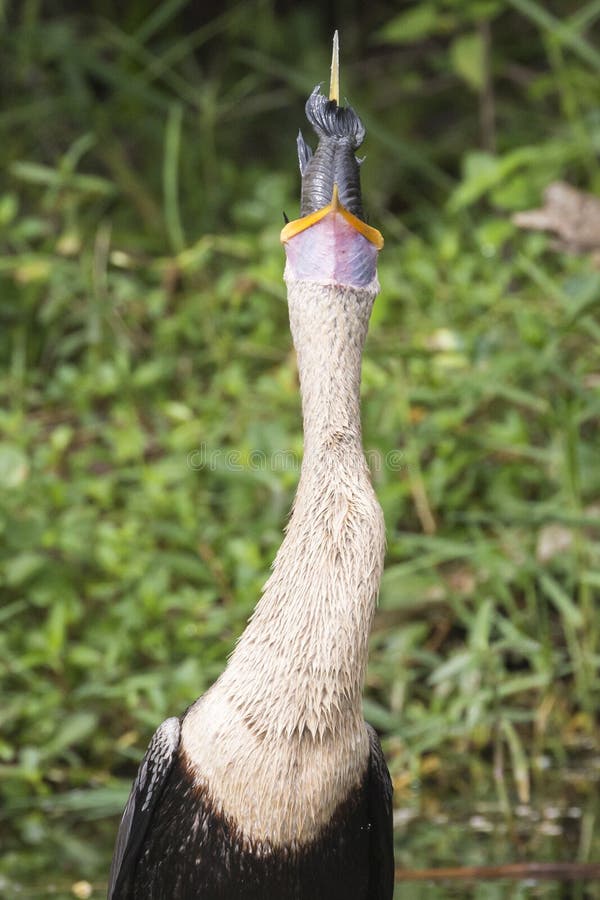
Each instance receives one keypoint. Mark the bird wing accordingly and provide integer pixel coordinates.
(147, 788)
(381, 844)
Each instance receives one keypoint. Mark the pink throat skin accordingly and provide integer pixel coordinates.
(331, 251)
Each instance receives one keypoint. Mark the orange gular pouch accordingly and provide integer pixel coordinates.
(331, 246)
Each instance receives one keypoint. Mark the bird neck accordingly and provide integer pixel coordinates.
(300, 664)
(329, 326)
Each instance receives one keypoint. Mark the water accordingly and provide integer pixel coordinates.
(484, 836)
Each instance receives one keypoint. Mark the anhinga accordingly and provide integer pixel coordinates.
(271, 785)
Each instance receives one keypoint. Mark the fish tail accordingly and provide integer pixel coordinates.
(332, 121)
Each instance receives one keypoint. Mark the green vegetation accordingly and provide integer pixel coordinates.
(148, 153)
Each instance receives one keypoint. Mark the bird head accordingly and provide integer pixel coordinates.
(331, 242)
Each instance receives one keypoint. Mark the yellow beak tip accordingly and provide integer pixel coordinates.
(334, 82)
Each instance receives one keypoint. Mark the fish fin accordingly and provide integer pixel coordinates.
(304, 153)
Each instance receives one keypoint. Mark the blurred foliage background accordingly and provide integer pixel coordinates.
(148, 151)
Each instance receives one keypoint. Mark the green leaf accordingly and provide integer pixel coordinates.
(73, 730)
(518, 758)
(22, 566)
(561, 600)
(468, 60)
(480, 630)
(483, 171)
(456, 665)
(411, 25)
(13, 466)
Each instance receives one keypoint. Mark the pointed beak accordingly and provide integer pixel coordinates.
(334, 80)
(330, 175)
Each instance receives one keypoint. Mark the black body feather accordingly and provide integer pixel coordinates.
(173, 844)
(143, 801)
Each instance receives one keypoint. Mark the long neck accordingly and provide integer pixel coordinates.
(329, 327)
(300, 663)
